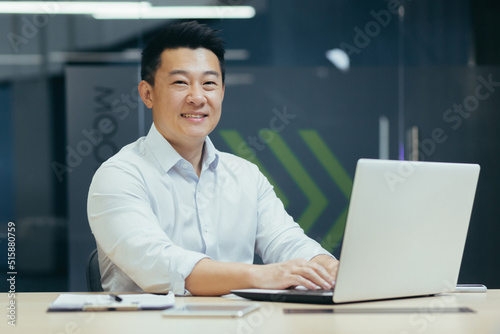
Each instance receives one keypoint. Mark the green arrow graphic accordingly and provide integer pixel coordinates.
(338, 175)
(334, 235)
(328, 161)
(241, 149)
(317, 201)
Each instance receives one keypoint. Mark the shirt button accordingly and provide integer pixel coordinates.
(185, 166)
(205, 229)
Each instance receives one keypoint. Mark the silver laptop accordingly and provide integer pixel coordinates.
(404, 236)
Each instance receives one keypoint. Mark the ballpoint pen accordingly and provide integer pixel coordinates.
(115, 297)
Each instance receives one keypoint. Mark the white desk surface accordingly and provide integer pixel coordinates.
(31, 317)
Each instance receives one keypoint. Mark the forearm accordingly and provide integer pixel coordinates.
(210, 278)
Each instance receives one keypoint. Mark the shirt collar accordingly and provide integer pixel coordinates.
(211, 155)
(168, 157)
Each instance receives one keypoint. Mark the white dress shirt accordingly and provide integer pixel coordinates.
(153, 218)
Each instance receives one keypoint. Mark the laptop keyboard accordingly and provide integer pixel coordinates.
(309, 292)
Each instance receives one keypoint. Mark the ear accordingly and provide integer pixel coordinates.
(146, 93)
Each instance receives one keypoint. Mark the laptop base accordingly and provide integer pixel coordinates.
(287, 296)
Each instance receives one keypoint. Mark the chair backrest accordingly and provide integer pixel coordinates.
(93, 273)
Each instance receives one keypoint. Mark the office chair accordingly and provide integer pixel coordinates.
(93, 273)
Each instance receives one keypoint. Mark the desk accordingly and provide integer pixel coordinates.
(32, 318)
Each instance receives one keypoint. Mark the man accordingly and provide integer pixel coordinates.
(171, 213)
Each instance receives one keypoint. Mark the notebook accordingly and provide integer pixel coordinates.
(405, 233)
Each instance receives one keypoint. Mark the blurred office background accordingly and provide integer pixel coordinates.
(312, 86)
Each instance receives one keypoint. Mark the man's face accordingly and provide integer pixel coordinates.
(187, 96)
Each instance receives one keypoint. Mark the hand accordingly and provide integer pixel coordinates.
(292, 273)
(330, 264)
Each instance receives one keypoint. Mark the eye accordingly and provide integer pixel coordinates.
(179, 82)
(210, 83)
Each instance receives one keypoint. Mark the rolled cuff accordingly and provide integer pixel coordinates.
(184, 263)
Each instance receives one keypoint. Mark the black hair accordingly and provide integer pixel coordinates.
(190, 35)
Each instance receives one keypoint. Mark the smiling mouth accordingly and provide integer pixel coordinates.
(193, 116)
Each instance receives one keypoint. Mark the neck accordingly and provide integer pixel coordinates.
(193, 154)
(191, 150)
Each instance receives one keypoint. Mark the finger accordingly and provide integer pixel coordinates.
(336, 270)
(302, 281)
(333, 268)
(312, 276)
(325, 273)
(300, 272)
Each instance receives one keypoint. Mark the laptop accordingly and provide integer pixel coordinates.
(404, 236)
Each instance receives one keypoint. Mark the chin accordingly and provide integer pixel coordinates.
(197, 135)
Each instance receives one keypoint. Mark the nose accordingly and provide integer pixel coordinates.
(196, 96)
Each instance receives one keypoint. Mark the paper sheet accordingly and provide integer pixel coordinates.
(78, 302)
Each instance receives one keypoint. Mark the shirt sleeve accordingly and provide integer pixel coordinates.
(279, 237)
(128, 232)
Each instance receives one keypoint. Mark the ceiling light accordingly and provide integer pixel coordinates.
(71, 7)
(182, 12)
(126, 10)
(338, 58)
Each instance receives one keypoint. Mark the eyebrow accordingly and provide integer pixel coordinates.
(210, 72)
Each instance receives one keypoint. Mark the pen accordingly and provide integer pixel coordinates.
(115, 297)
